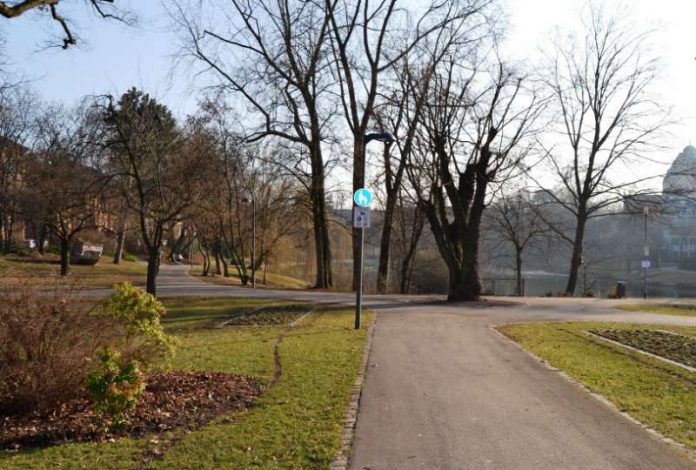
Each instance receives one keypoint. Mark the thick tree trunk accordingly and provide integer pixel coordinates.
(576, 258)
(64, 256)
(120, 242)
(324, 277)
(153, 261)
(464, 283)
(358, 183)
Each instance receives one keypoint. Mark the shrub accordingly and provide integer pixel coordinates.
(47, 342)
(142, 337)
(115, 387)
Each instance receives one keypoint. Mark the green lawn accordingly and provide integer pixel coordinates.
(296, 424)
(15, 270)
(280, 281)
(684, 310)
(657, 394)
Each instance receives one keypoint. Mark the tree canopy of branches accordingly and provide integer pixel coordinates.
(472, 133)
(103, 8)
(158, 176)
(515, 220)
(600, 86)
(272, 55)
(64, 191)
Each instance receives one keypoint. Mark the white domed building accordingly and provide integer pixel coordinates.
(679, 210)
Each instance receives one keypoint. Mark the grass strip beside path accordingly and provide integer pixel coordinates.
(659, 395)
(296, 424)
(683, 310)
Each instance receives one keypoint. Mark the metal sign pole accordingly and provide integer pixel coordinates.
(358, 287)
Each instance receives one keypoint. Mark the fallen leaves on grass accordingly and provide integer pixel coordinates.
(170, 401)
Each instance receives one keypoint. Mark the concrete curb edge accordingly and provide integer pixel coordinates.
(342, 460)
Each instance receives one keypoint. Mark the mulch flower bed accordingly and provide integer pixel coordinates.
(678, 348)
(170, 401)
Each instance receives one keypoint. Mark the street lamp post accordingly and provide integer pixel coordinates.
(253, 238)
(387, 138)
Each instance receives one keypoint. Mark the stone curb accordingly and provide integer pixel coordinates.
(342, 460)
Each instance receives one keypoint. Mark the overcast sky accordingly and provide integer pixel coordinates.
(113, 57)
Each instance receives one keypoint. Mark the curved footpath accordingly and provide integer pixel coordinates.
(444, 391)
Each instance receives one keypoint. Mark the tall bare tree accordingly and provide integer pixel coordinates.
(472, 138)
(368, 39)
(159, 176)
(600, 85)
(272, 56)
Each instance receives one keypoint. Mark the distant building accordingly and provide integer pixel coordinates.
(679, 210)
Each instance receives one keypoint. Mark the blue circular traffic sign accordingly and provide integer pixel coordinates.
(363, 197)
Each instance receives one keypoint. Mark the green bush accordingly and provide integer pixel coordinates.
(114, 388)
(143, 338)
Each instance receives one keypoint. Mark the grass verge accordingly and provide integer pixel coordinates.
(16, 270)
(279, 281)
(659, 395)
(296, 424)
(683, 310)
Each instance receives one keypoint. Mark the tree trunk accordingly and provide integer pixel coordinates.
(43, 234)
(324, 278)
(358, 183)
(518, 271)
(153, 261)
(576, 258)
(464, 283)
(64, 256)
(218, 264)
(120, 242)
(385, 245)
(408, 261)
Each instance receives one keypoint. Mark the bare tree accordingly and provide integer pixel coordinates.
(472, 135)
(272, 56)
(102, 8)
(514, 219)
(400, 106)
(600, 86)
(368, 39)
(158, 174)
(64, 191)
(17, 114)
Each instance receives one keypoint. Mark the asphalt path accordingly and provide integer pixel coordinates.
(445, 391)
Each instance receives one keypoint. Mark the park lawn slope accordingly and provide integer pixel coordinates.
(44, 273)
(683, 310)
(657, 394)
(279, 281)
(296, 424)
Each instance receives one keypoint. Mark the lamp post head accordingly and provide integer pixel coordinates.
(385, 137)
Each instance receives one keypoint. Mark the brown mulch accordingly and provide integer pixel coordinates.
(170, 401)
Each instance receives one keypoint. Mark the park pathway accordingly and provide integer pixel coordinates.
(444, 391)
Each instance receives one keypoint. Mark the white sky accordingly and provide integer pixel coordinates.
(116, 57)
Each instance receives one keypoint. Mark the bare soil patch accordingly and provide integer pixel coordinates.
(171, 401)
